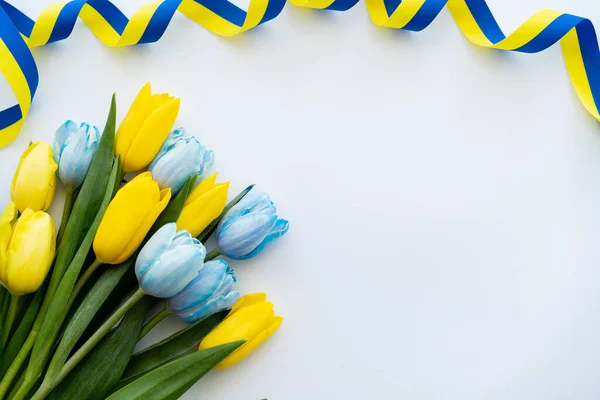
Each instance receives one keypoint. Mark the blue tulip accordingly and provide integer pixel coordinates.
(168, 262)
(74, 149)
(209, 292)
(178, 158)
(249, 227)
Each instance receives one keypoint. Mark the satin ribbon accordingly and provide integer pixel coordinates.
(19, 33)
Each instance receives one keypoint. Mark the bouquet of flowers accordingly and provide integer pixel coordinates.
(74, 304)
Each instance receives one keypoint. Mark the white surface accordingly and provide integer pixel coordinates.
(443, 199)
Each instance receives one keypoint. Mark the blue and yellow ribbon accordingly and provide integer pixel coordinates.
(19, 33)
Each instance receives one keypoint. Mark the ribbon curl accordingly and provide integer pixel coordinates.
(19, 33)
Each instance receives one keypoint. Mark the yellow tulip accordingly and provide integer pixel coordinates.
(251, 318)
(203, 205)
(128, 218)
(145, 128)
(27, 249)
(34, 181)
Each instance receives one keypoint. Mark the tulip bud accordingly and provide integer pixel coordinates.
(204, 204)
(27, 249)
(251, 318)
(168, 262)
(179, 157)
(74, 149)
(34, 181)
(145, 128)
(208, 293)
(249, 227)
(128, 218)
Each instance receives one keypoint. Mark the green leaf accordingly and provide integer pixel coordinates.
(20, 335)
(210, 229)
(173, 379)
(87, 204)
(109, 296)
(176, 345)
(59, 309)
(103, 366)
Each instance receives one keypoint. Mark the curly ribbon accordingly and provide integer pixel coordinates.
(19, 33)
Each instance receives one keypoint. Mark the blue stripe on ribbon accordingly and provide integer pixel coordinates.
(344, 5)
(391, 6)
(426, 14)
(16, 45)
(66, 21)
(486, 21)
(111, 13)
(588, 43)
(273, 9)
(226, 10)
(23, 23)
(551, 34)
(159, 21)
(10, 116)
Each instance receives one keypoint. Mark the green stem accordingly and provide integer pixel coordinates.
(83, 279)
(66, 212)
(47, 387)
(15, 366)
(214, 253)
(10, 317)
(164, 313)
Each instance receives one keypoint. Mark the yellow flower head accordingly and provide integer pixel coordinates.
(251, 318)
(34, 182)
(145, 128)
(128, 218)
(204, 204)
(27, 249)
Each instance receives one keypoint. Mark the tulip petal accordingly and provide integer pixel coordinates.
(246, 323)
(183, 158)
(196, 216)
(248, 300)
(279, 229)
(175, 269)
(208, 160)
(7, 219)
(60, 138)
(240, 237)
(128, 218)
(34, 180)
(203, 187)
(154, 248)
(146, 224)
(167, 145)
(151, 135)
(214, 305)
(202, 287)
(30, 252)
(245, 206)
(77, 154)
(252, 344)
(129, 128)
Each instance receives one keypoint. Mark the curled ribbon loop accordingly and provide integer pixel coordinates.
(19, 33)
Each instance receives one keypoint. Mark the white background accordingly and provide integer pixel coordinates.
(444, 200)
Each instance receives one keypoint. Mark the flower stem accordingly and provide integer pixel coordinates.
(66, 212)
(46, 388)
(164, 313)
(83, 279)
(15, 366)
(10, 317)
(214, 253)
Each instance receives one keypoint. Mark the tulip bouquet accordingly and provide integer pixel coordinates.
(74, 303)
